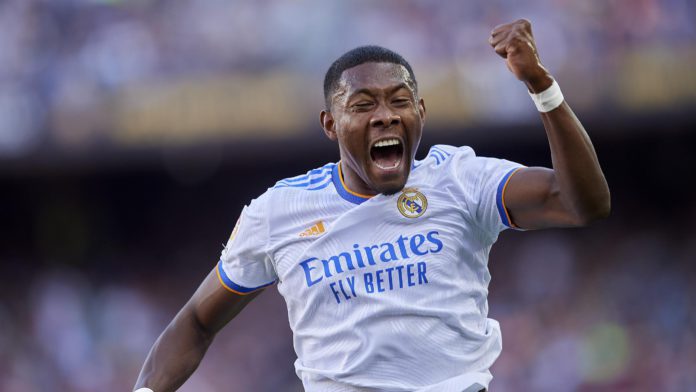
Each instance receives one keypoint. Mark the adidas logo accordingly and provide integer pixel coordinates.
(316, 229)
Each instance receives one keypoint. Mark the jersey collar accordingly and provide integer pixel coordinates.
(342, 189)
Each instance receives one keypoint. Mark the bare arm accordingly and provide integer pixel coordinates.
(575, 191)
(182, 345)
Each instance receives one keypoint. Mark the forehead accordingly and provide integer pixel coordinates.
(374, 76)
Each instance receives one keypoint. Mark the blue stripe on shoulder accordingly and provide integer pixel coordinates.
(442, 150)
(439, 154)
(306, 183)
(303, 177)
(437, 157)
(312, 180)
(321, 185)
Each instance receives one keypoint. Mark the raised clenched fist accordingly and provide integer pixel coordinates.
(515, 43)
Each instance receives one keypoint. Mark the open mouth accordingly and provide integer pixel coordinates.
(387, 153)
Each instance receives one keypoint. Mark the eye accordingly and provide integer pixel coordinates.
(401, 102)
(362, 106)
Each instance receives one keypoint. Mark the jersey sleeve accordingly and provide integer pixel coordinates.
(482, 182)
(246, 265)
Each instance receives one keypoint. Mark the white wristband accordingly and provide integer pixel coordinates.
(549, 99)
(143, 390)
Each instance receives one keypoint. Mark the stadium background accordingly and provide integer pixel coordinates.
(133, 131)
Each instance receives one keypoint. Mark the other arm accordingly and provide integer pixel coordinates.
(182, 345)
(574, 192)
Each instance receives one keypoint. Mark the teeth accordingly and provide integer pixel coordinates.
(394, 166)
(388, 142)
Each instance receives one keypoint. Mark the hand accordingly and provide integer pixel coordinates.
(515, 43)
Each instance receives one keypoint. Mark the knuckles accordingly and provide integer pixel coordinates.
(516, 34)
(520, 26)
(524, 23)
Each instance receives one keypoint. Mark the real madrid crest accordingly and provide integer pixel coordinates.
(412, 203)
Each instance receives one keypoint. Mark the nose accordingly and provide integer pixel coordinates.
(384, 118)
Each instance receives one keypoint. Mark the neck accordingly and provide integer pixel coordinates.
(352, 182)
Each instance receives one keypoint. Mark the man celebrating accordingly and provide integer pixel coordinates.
(382, 259)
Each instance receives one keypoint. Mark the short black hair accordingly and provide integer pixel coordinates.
(357, 56)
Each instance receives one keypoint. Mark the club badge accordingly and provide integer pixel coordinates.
(412, 203)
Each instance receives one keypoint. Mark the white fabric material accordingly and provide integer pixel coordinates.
(143, 390)
(549, 99)
(379, 301)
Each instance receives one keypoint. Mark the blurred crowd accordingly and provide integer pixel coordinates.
(94, 262)
(67, 58)
(597, 311)
(581, 310)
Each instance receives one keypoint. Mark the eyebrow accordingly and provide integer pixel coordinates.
(368, 91)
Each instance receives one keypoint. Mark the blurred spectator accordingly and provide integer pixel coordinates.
(72, 59)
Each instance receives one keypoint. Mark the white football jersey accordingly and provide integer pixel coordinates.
(384, 293)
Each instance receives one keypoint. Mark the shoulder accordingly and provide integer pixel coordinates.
(445, 164)
(441, 156)
(290, 196)
(312, 180)
(293, 190)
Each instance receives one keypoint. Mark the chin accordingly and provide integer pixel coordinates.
(389, 182)
(391, 187)
(391, 191)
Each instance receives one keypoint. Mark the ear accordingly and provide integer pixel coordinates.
(421, 109)
(327, 123)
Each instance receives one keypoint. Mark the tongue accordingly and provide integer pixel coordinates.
(386, 156)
